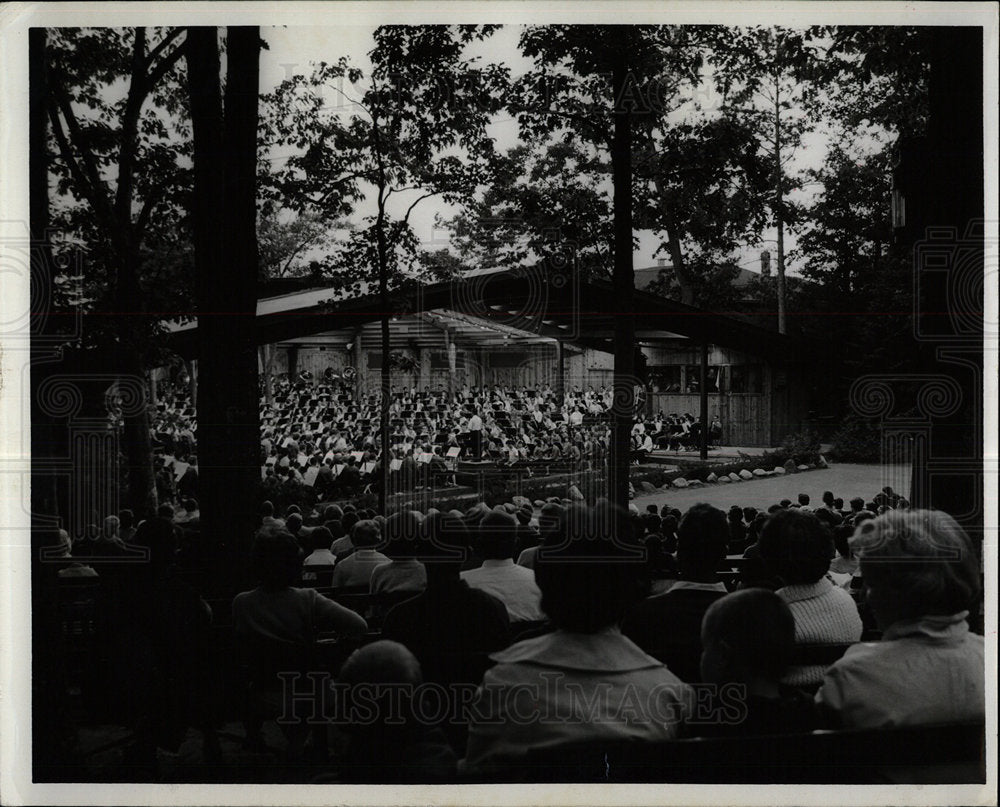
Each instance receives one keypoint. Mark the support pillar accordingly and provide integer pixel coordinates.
(424, 363)
(192, 368)
(359, 356)
(560, 373)
(450, 347)
(703, 395)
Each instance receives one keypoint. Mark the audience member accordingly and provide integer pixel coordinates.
(588, 583)
(355, 571)
(389, 744)
(922, 579)
(748, 639)
(668, 625)
(403, 572)
(797, 549)
(513, 585)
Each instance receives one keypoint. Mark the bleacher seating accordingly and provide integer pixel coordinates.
(952, 753)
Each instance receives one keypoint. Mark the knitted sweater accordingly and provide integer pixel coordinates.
(824, 614)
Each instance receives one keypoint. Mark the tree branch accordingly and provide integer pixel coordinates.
(165, 65)
(92, 187)
(170, 37)
(409, 210)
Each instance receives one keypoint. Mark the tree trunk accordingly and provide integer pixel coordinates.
(623, 279)
(386, 371)
(225, 154)
(779, 208)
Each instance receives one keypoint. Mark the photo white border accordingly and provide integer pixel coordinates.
(15, 612)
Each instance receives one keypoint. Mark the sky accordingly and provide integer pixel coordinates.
(292, 50)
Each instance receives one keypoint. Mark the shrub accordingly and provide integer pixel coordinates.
(857, 440)
(799, 447)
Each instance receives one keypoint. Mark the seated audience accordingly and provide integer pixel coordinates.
(317, 567)
(403, 572)
(748, 638)
(449, 627)
(922, 579)
(574, 682)
(513, 585)
(797, 548)
(275, 610)
(355, 571)
(668, 625)
(391, 746)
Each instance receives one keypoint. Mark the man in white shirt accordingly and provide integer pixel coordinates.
(476, 430)
(513, 585)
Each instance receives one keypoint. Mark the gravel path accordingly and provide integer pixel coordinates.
(845, 480)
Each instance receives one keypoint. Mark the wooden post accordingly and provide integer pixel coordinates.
(450, 347)
(192, 368)
(623, 277)
(560, 373)
(703, 390)
(358, 369)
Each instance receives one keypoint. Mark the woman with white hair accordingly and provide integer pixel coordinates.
(921, 578)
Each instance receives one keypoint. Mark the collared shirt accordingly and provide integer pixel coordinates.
(565, 687)
(320, 557)
(928, 670)
(680, 585)
(513, 585)
(399, 575)
(355, 571)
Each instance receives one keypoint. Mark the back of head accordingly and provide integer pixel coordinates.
(294, 523)
(319, 538)
(549, 516)
(917, 563)
(267, 510)
(702, 541)
(796, 546)
(381, 662)
(157, 535)
(275, 559)
(587, 571)
(497, 536)
(747, 635)
(804, 499)
(446, 545)
(126, 518)
(749, 514)
(333, 512)
(402, 534)
(365, 534)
